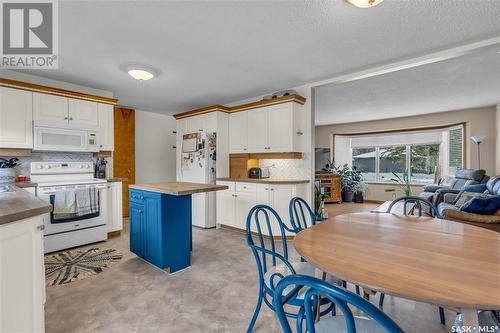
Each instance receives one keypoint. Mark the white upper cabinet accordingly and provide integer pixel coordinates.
(82, 113)
(268, 129)
(210, 122)
(238, 127)
(194, 124)
(258, 130)
(16, 127)
(50, 109)
(106, 127)
(280, 127)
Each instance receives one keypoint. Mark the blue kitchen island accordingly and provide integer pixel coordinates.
(160, 222)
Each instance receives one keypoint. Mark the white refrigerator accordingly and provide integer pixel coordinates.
(197, 165)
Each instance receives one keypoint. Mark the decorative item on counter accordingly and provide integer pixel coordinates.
(22, 178)
(7, 174)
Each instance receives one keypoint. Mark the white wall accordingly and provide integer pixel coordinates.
(154, 152)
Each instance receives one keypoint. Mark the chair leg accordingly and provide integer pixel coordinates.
(357, 290)
(300, 319)
(441, 316)
(381, 299)
(256, 313)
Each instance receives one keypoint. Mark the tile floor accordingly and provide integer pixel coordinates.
(217, 294)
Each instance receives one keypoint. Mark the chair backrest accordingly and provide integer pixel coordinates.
(419, 202)
(339, 296)
(301, 215)
(467, 177)
(266, 250)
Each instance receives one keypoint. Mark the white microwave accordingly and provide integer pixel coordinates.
(61, 139)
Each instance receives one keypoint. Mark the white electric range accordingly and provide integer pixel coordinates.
(67, 232)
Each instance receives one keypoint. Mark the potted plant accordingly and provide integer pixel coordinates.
(359, 191)
(403, 182)
(7, 174)
(349, 178)
(319, 204)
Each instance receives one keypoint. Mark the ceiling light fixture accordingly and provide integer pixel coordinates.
(364, 3)
(141, 73)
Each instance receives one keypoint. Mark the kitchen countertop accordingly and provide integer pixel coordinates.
(116, 179)
(178, 188)
(265, 180)
(25, 184)
(19, 204)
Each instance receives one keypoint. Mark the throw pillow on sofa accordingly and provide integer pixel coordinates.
(479, 188)
(482, 205)
(466, 196)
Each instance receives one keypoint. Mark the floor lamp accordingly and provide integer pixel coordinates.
(478, 139)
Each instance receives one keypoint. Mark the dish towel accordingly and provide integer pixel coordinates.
(87, 201)
(65, 202)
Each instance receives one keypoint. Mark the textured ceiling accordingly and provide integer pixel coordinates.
(221, 51)
(465, 82)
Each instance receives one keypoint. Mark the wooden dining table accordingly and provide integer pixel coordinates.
(449, 264)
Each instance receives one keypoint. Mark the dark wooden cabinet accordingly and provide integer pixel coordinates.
(330, 186)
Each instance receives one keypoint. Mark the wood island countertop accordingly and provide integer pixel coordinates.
(20, 204)
(178, 188)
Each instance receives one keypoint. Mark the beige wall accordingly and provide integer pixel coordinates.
(478, 121)
(498, 140)
(484, 120)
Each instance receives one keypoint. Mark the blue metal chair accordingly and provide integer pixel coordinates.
(314, 289)
(433, 212)
(301, 215)
(272, 259)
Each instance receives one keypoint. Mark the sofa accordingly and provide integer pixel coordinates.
(450, 210)
(463, 177)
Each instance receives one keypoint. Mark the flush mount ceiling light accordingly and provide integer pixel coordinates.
(141, 73)
(364, 3)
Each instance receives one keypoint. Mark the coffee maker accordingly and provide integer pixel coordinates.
(100, 168)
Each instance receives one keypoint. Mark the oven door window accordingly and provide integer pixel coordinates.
(64, 218)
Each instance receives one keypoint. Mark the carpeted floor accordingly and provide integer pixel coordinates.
(217, 294)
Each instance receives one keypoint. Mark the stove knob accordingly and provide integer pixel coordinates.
(87, 166)
(39, 167)
(80, 166)
(47, 167)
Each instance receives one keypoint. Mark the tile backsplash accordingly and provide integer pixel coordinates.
(24, 167)
(287, 168)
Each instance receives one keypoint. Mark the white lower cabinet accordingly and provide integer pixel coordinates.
(234, 203)
(22, 276)
(114, 213)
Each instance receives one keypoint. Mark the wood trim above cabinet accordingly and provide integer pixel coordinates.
(242, 107)
(55, 91)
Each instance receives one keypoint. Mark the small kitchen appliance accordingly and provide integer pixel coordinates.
(258, 173)
(100, 168)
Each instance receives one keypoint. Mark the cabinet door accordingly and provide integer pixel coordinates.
(244, 202)
(16, 115)
(82, 113)
(258, 130)
(115, 214)
(280, 196)
(194, 124)
(225, 208)
(181, 127)
(106, 127)
(238, 128)
(210, 122)
(50, 109)
(136, 225)
(280, 128)
(152, 233)
(22, 276)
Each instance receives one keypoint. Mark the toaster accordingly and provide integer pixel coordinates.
(258, 173)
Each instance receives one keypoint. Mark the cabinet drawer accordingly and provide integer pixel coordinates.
(231, 185)
(136, 196)
(246, 187)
